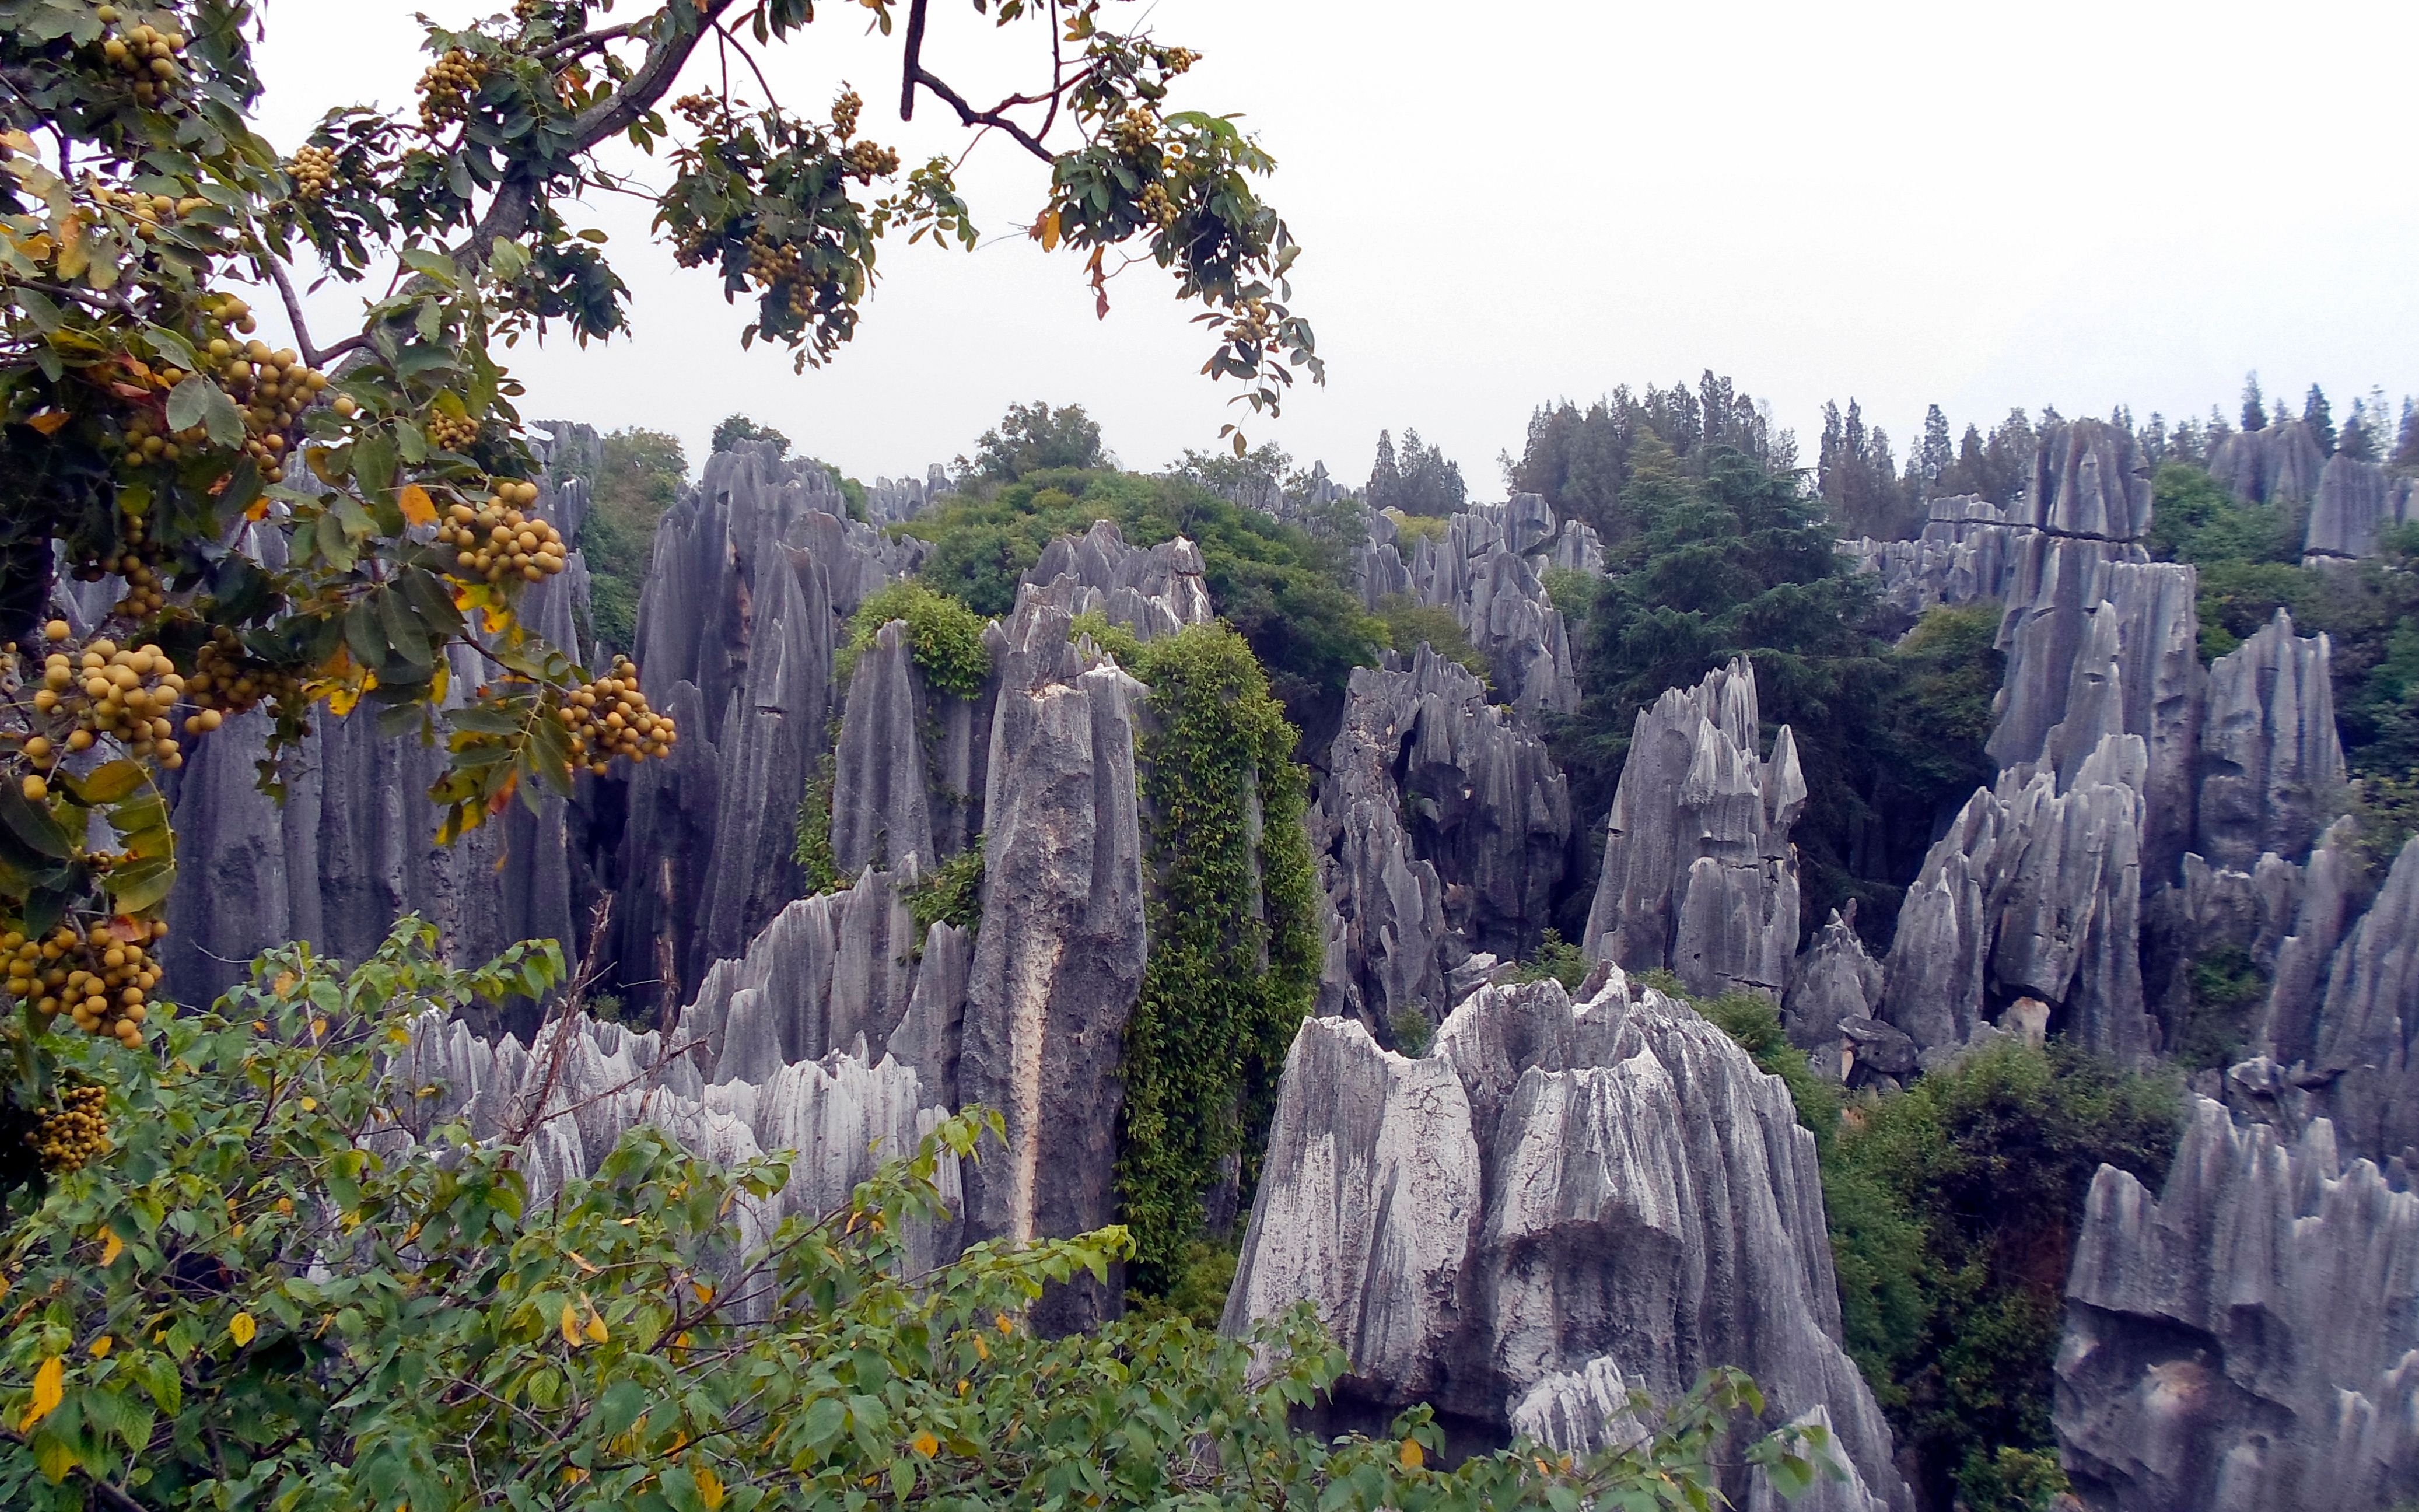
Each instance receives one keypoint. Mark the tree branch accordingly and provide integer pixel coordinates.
(312, 356)
(912, 73)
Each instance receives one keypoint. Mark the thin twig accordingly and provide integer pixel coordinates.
(312, 356)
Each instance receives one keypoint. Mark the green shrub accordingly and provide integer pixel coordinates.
(1203, 1272)
(1574, 593)
(1556, 959)
(950, 893)
(1411, 1032)
(1409, 622)
(2224, 989)
(814, 854)
(1115, 640)
(1954, 1207)
(944, 635)
(1410, 530)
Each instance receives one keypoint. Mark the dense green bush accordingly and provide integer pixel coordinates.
(1556, 960)
(950, 893)
(944, 635)
(817, 860)
(1282, 588)
(1409, 623)
(2222, 991)
(1953, 1208)
(263, 1300)
(1234, 938)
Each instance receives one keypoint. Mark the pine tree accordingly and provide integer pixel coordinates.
(2255, 412)
(2153, 438)
(1938, 454)
(2320, 419)
(1385, 479)
(2406, 444)
(2359, 438)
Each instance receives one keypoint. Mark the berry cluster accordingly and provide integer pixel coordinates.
(609, 717)
(1156, 203)
(149, 211)
(124, 693)
(845, 111)
(97, 977)
(497, 538)
(228, 680)
(868, 161)
(446, 87)
(73, 1133)
(450, 432)
(274, 387)
(312, 170)
(135, 559)
(1136, 131)
(146, 55)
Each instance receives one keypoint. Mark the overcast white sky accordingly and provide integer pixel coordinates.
(1978, 205)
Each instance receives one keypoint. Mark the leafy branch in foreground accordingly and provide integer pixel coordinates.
(277, 1296)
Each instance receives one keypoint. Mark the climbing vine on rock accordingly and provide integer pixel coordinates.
(1234, 936)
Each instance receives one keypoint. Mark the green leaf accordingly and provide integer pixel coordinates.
(32, 822)
(136, 887)
(373, 462)
(510, 261)
(108, 782)
(171, 346)
(197, 401)
(619, 1408)
(435, 265)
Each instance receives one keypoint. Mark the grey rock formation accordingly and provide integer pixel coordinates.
(573, 1093)
(1058, 958)
(1698, 875)
(2332, 890)
(2034, 891)
(1152, 591)
(1443, 828)
(2356, 500)
(2097, 645)
(1962, 555)
(2363, 1069)
(1834, 983)
(753, 570)
(882, 800)
(1613, 1192)
(2271, 761)
(2280, 464)
(2248, 1341)
(1485, 568)
(2088, 480)
(891, 501)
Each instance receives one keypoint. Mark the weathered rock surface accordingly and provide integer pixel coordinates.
(1152, 591)
(2034, 891)
(1485, 568)
(2363, 1069)
(1614, 1193)
(2280, 464)
(2356, 500)
(753, 571)
(1832, 984)
(582, 1084)
(2271, 760)
(1058, 958)
(2248, 1341)
(1962, 555)
(1698, 876)
(882, 798)
(1443, 828)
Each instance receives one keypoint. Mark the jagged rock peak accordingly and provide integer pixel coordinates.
(2271, 761)
(572, 1093)
(1699, 874)
(1486, 568)
(2356, 500)
(2248, 1341)
(2034, 891)
(1607, 1193)
(1152, 591)
(2280, 464)
(2088, 480)
(1443, 829)
(1833, 984)
(1059, 957)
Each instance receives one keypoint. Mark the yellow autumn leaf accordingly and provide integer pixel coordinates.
(1005, 1326)
(580, 1260)
(111, 1248)
(596, 1329)
(241, 1328)
(709, 1488)
(50, 1389)
(417, 507)
(49, 424)
(982, 1350)
(102, 1346)
(570, 1326)
(1413, 1456)
(704, 1293)
(1050, 231)
(924, 1444)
